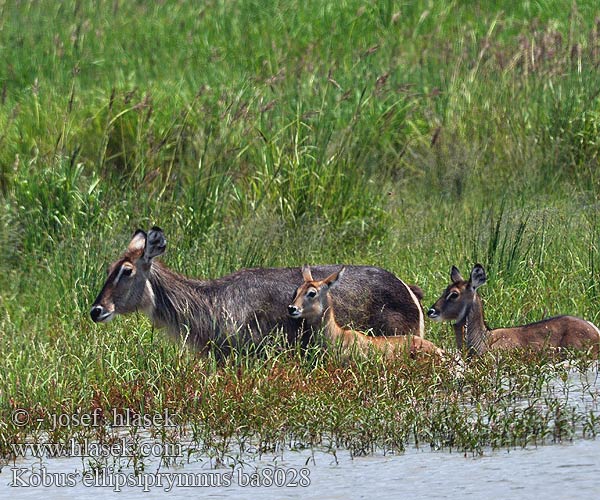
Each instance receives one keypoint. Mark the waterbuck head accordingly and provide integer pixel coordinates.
(459, 295)
(310, 299)
(127, 288)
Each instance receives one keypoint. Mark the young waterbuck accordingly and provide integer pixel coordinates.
(461, 303)
(313, 302)
(246, 306)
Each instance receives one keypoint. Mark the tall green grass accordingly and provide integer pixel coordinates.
(413, 136)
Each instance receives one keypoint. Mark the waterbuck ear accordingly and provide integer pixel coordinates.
(478, 276)
(333, 279)
(156, 243)
(137, 243)
(306, 274)
(455, 275)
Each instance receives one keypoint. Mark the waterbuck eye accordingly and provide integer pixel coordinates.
(311, 294)
(127, 271)
(452, 295)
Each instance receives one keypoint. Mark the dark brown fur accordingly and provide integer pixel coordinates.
(313, 303)
(248, 305)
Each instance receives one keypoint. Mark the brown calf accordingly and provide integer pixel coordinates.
(461, 303)
(313, 303)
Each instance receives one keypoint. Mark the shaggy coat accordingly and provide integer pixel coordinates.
(248, 305)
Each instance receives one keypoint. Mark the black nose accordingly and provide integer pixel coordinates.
(292, 309)
(95, 313)
(432, 312)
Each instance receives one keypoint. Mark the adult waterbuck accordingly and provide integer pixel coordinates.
(246, 306)
(313, 303)
(461, 303)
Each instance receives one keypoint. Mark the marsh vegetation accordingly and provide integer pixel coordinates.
(411, 136)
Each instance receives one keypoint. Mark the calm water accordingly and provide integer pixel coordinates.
(548, 472)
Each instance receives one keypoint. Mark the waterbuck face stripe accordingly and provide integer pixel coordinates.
(124, 270)
(119, 274)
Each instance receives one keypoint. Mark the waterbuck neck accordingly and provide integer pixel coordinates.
(331, 327)
(177, 300)
(472, 328)
(326, 322)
